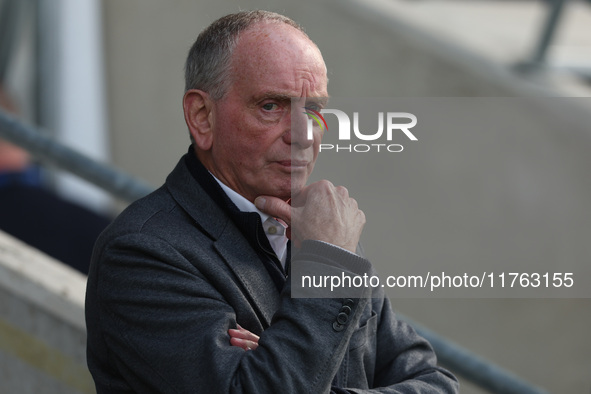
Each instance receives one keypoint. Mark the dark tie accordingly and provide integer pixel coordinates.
(288, 258)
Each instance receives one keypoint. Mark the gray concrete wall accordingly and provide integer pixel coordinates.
(371, 53)
(42, 331)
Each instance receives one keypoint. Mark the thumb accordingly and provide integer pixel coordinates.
(275, 207)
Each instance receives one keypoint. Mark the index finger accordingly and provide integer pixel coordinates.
(275, 207)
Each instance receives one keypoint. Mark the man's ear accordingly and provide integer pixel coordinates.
(197, 106)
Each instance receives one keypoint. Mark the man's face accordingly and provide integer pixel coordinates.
(255, 151)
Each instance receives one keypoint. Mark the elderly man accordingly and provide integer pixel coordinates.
(189, 278)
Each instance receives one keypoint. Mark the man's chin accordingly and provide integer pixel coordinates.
(281, 193)
(298, 181)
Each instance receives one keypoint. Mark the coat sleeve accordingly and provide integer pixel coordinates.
(405, 362)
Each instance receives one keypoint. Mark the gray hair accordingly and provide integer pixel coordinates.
(209, 60)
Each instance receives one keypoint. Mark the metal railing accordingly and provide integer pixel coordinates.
(538, 60)
(473, 368)
(50, 152)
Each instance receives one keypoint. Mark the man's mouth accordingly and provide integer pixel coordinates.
(294, 164)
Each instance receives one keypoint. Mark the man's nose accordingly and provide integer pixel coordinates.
(300, 131)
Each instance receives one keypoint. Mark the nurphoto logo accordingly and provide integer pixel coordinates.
(397, 123)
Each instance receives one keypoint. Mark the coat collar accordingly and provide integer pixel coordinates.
(229, 242)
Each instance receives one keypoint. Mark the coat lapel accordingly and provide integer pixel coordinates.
(231, 245)
(250, 271)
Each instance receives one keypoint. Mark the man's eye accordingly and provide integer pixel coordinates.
(314, 107)
(270, 107)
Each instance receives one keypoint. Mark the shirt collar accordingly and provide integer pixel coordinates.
(245, 205)
(241, 202)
